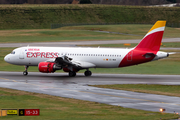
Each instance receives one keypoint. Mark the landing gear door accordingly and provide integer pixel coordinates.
(21, 54)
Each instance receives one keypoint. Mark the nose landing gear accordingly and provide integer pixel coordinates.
(25, 72)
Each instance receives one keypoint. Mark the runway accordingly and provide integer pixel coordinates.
(59, 84)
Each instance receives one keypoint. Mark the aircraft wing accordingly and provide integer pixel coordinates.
(66, 61)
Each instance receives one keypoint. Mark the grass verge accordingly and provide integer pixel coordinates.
(53, 108)
(170, 90)
(81, 33)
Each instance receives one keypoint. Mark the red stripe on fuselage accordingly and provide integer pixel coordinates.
(135, 57)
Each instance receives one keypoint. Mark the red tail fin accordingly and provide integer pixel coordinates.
(147, 49)
(152, 40)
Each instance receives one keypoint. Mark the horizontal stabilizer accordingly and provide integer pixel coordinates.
(172, 53)
(149, 55)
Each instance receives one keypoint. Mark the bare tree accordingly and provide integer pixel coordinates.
(38, 1)
(3, 2)
(117, 2)
(30, 1)
(178, 3)
(129, 2)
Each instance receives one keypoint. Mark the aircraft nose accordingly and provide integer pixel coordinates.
(6, 58)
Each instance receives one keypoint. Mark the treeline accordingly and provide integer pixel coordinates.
(36, 1)
(135, 2)
(118, 2)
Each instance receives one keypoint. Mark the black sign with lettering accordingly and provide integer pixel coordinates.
(21, 112)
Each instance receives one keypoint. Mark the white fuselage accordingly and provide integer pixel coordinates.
(100, 57)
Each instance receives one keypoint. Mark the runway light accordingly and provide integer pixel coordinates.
(162, 110)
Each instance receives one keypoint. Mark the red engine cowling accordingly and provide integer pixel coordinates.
(46, 67)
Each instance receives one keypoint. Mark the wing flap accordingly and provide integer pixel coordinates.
(84, 64)
(65, 61)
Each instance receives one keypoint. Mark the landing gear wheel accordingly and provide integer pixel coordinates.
(72, 74)
(25, 73)
(87, 73)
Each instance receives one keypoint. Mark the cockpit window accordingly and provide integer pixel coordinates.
(13, 52)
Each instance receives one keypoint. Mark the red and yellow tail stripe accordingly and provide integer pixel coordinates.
(152, 40)
(158, 26)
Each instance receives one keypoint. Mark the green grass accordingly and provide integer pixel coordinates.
(54, 108)
(170, 90)
(170, 65)
(134, 29)
(58, 36)
(28, 16)
(81, 33)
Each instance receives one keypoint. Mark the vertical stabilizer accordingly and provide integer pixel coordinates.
(152, 40)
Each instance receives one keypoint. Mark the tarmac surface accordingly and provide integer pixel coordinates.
(59, 84)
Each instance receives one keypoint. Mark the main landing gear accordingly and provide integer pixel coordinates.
(25, 72)
(87, 73)
(72, 74)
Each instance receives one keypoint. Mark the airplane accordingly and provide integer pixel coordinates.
(73, 59)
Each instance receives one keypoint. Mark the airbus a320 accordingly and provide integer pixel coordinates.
(73, 59)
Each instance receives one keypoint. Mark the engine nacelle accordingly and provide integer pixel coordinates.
(47, 67)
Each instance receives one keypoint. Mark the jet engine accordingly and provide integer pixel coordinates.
(48, 67)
